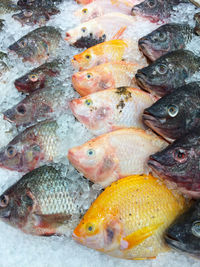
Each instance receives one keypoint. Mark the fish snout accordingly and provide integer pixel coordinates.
(8, 115)
(68, 36)
(135, 11)
(142, 43)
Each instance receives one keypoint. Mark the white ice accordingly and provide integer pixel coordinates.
(16, 248)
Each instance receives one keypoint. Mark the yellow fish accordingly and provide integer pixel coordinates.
(129, 218)
(114, 50)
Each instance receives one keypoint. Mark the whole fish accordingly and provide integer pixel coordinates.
(101, 7)
(38, 45)
(184, 233)
(37, 3)
(179, 163)
(35, 16)
(176, 113)
(111, 109)
(40, 77)
(8, 6)
(46, 201)
(167, 38)
(129, 218)
(47, 103)
(99, 30)
(114, 50)
(156, 10)
(3, 66)
(32, 148)
(105, 76)
(115, 155)
(197, 27)
(168, 72)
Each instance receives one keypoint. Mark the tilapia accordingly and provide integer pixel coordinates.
(167, 38)
(3, 66)
(99, 30)
(105, 76)
(179, 163)
(38, 3)
(110, 51)
(115, 155)
(32, 148)
(184, 233)
(129, 218)
(111, 109)
(8, 6)
(168, 72)
(40, 77)
(46, 201)
(38, 45)
(176, 113)
(157, 10)
(47, 103)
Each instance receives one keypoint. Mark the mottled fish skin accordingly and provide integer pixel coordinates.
(197, 27)
(156, 10)
(46, 201)
(38, 3)
(179, 163)
(40, 77)
(38, 45)
(177, 113)
(184, 232)
(32, 148)
(167, 38)
(7, 6)
(168, 72)
(3, 66)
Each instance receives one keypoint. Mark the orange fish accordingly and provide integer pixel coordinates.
(114, 50)
(115, 155)
(105, 76)
(129, 218)
(84, 2)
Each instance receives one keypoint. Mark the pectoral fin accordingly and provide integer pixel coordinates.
(119, 33)
(138, 237)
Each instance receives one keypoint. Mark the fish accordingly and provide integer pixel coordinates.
(179, 163)
(115, 155)
(27, 4)
(166, 38)
(31, 148)
(8, 6)
(157, 10)
(197, 27)
(168, 72)
(40, 77)
(84, 2)
(177, 113)
(109, 51)
(38, 45)
(183, 234)
(35, 16)
(3, 66)
(44, 202)
(102, 7)
(129, 218)
(48, 103)
(99, 30)
(105, 76)
(112, 109)
(195, 2)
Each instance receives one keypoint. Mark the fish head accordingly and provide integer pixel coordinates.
(26, 3)
(86, 35)
(93, 111)
(24, 17)
(89, 12)
(98, 231)
(92, 80)
(31, 17)
(86, 60)
(152, 9)
(15, 206)
(184, 233)
(179, 162)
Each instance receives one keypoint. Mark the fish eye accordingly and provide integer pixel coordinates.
(180, 155)
(196, 228)
(90, 228)
(88, 102)
(151, 3)
(11, 152)
(84, 29)
(87, 56)
(28, 13)
(89, 76)
(4, 201)
(84, 11)
(161, 69)
(162, 36)
(33, 77)
(21, 109)
(173, 111)
(90, 152)
(22, 44)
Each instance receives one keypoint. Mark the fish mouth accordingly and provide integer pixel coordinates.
(21, 87)
(5, 214)
(155, 165)
(141, 80)
(6, 118)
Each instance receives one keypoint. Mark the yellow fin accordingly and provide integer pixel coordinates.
(138, 237)
(119, 33)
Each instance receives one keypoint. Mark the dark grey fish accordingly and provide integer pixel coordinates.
(38, 3)
(175, 114)
(7, 6)
(179, 163)
(167, 38)
(168, 72)
(184, 233)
